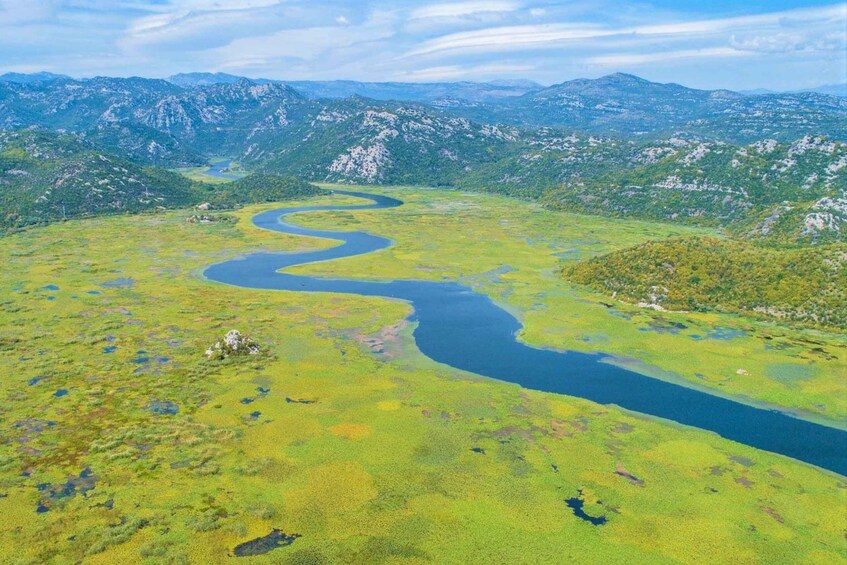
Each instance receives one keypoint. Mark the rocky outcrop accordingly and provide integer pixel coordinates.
(232, 344)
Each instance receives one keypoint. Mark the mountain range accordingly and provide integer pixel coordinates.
(764, 165)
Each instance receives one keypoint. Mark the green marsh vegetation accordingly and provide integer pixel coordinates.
(802, 285)
(341, 432)
(515, 252)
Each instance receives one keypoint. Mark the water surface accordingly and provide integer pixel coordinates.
(466, 330)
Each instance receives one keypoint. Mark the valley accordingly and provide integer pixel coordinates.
(597, 321)
(338, 431)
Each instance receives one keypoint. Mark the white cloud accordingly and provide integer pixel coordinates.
(789, 42)
(629, 59)
(545, 40)
(459, 9)
(453, 72)
(185, 10)
(557, 34)
(199, 31)
(318, 46)
(511, 37)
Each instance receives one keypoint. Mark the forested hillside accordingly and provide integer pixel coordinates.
(47, 176)
(805, 285)
(258, 188)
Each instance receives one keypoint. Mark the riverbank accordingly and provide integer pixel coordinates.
(361, 445)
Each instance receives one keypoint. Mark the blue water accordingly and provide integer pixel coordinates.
(220, 170)
(466, 330)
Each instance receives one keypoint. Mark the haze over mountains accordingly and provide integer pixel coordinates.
(408, 91)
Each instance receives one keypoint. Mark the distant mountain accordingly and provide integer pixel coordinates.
(194, 80)
(222, 115)
(831, 89)
(28, 78)
(626, 106)
(396, 91)
(764, 165)
(416, 92)
(152, 120)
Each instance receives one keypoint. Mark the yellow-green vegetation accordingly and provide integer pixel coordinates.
(256, 188)
(514, 252)
(123, 442)
(806, 285)
(200, 173)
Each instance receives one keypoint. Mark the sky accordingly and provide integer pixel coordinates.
(737, 44)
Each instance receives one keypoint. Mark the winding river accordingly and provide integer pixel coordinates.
(466, 330)
(221, 170)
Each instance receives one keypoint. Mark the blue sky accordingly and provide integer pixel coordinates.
(778, 44)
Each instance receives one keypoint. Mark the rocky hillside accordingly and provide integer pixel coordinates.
(748, 162)
(793, 191)
(225, 114)
(368, 142)
(626, 106)
(47, 176)
(157, 121)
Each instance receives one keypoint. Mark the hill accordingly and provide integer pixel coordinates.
(122, 113)
(29, 78)
(768, 166)
(257, 188)
(788, 191)
(216, 112)
(46, 176)
(362, 140)
(806, 286)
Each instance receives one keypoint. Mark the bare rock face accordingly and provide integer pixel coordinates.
(233, 343)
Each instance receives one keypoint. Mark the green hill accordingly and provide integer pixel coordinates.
(805, 285)
(47, 176)
(256, 188)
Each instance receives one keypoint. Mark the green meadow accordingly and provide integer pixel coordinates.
(123, 443)
(201, 173)
(514, 252)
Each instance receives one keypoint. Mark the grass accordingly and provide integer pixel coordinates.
(199, 173)
(514, 251)
(398, 459)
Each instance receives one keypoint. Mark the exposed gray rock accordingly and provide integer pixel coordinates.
(233, 343)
